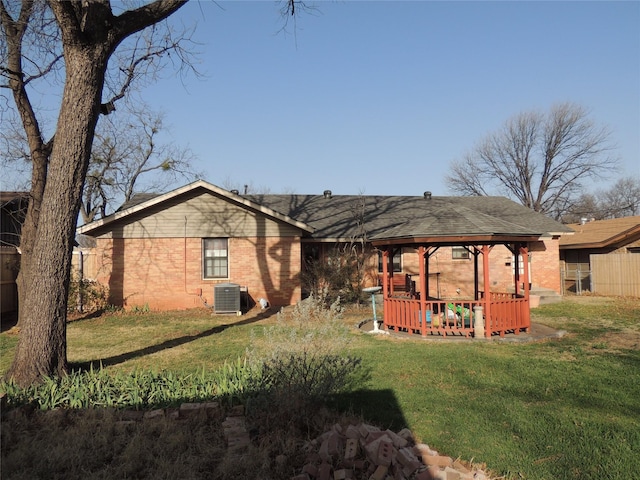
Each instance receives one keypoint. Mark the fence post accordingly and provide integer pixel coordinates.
(80, 307)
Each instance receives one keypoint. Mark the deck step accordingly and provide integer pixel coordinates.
(546, 295)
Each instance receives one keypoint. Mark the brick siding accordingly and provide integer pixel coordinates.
(166, 273)
(447, 275)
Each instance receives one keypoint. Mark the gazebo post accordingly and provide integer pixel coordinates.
(424, 258)
(524, 251)
(389, 265)
(385, 286)
(476, 274)
(487, 292)
(424, 287)
(516, 269)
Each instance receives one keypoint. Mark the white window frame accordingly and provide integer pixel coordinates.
(210, 252)
(460, 253)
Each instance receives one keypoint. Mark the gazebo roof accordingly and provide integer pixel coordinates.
(454, 221)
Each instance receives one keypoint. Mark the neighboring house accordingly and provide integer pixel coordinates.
(13, 206)
(170, 251)
(610, 238)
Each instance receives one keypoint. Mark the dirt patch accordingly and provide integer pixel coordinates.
(624, 340)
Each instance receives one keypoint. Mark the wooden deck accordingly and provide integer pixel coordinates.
(503, 313)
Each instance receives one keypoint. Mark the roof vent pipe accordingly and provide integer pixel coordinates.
(327, 194)
(235, 191)
(427, 195)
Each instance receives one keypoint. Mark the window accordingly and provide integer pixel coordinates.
(458, 253)
(215, 255)
(521, 265)
(397, 261)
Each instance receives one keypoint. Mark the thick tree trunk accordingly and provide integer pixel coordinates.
(29, 227)
(42, 347)
(89, 33)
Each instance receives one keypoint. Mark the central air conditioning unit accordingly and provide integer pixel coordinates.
(226, 298)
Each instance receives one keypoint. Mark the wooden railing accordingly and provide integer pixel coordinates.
(507, 313)
(439, 317)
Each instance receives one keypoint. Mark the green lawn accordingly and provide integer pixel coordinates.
(567, 408)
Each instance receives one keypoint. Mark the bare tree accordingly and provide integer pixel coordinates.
(82, 37)
(586, 206)
(539, 160)
(72, 41)
(128, 158)
(622, 199)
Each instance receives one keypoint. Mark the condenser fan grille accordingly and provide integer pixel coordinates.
(226, 297)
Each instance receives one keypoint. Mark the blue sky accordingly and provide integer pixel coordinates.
(379, 97)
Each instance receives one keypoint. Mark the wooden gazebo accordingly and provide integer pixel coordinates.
(488, 313)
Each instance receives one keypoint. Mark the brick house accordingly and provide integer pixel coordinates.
(169, 251)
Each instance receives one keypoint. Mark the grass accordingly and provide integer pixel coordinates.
(559, 409)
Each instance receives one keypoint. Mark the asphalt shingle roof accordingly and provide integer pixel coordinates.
(343, 217)
(601, 232)
(410, 216)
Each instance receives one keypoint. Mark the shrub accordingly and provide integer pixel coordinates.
(100, 388)
(309, 327)
(298, 364)
(235, 380)
(93, 296)
(300, 379)
(339, 275)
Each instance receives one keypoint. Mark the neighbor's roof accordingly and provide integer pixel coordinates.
(603, 233)
(8, 197)
(344, 217)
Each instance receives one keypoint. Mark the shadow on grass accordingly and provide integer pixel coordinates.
(8, 320)
(73, 317)
(379, 407)
(97, 442)
(174, 342)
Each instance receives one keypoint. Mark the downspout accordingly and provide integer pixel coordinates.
(198, 291)
(184, 255)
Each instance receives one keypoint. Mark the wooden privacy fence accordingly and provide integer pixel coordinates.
(616, 274)
(9, 266)
(85, 258)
